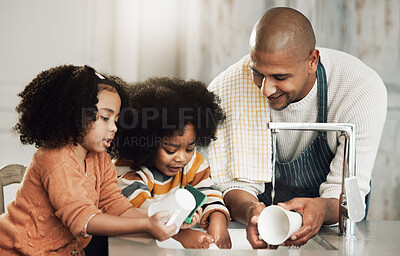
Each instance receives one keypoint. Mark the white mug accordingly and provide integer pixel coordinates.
(179, 205)
(276, 225)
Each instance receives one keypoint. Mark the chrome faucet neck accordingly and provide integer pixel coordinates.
(348, 216)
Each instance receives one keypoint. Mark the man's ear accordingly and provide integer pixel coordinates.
(313, 61)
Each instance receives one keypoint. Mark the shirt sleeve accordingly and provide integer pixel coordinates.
(135, 187)
(214, 202)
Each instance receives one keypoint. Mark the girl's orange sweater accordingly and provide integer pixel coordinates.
(55, 201)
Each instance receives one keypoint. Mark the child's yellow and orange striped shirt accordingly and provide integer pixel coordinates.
(148, 185)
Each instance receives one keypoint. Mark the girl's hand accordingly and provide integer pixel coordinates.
(190, 238)
(195, 219)
(157, 227)
(219, 230)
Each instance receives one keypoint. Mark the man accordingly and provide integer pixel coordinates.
(302, 84)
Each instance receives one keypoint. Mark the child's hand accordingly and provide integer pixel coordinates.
(195, 219)
(190, 238)
(157, 227)
(219, 230)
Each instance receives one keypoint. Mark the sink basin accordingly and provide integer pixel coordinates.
(238, 238)
(239, 241)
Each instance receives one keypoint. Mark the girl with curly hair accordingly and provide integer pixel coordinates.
(70, 189)
(169, 117)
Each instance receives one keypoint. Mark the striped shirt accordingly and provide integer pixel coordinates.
(149, 185)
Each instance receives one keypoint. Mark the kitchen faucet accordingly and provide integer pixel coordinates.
(351, 205)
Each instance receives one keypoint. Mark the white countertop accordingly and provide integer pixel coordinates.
(373, 238)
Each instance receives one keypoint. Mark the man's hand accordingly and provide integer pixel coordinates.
(245, 208)
(315, 211)
(251, 227)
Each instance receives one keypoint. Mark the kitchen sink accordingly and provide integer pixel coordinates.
(239, 242)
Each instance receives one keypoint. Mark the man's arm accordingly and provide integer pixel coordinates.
(240, 204)
(245, 208)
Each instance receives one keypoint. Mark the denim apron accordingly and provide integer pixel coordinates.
(303, 176)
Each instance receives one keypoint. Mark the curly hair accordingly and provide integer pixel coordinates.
(58, 105)
(162, 107)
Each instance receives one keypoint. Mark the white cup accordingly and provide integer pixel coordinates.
(179, 205)
(276, 225)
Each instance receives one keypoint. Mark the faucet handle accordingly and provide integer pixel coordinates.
(355, 202)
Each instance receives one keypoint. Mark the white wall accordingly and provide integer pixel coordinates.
(132, 39)
(36, 35)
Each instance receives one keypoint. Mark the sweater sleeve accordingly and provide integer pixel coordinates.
(250, 187)
(366, 107)
(202, 181)
(111, 200)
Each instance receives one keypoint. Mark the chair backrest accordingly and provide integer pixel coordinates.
(9, 174)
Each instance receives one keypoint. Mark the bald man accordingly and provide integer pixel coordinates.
(301, 83)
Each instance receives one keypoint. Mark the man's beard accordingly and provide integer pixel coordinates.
(282, 108)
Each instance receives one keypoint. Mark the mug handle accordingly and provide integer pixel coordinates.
(173, 217)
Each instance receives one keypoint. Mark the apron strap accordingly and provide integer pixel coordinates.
(322, 96)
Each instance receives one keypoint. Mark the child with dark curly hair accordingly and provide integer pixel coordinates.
(70, 189)
(169, 118)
